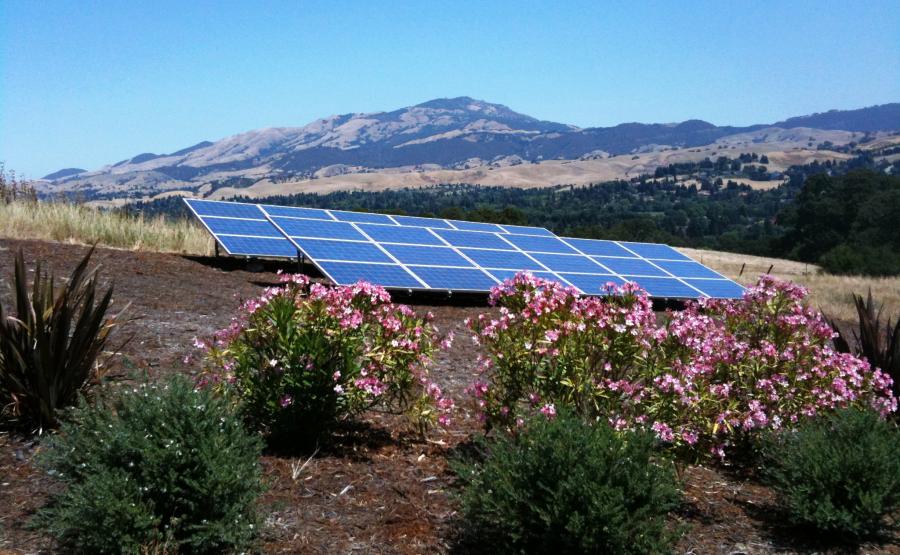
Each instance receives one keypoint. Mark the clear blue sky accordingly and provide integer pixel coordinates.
(89, 83)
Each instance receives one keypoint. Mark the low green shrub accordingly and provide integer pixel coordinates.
(50, 344)
(564, 486)
(838, 475)
(162, 465)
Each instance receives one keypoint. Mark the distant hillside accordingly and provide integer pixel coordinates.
(443, 134)
(65, 172)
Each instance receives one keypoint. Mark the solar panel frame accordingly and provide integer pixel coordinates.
(240, 244)
(667, 272)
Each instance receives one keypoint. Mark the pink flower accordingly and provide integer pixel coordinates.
(286, 401)
(549, 410)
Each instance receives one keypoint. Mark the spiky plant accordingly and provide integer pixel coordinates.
(880, 344)
(49, 347)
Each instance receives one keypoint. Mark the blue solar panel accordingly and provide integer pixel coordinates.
(397, 234)
(476, 226)
(718, 288)
(224, 209)
(503, 275)
(687, 269)
(569, 263)
(597, 247)
(234, 226)
(318, 228)
(438, 256)
(654, 250)
(363, 217)
(296, 212)
(258, 246)
(369, 246)
(669, 288)
(591, 284)
(325, 249)
(386, 275)
(454, 278)
(474, 239)
(539, 244)
(527, 230)
(422, 222)
(501, 259)
(630, 266)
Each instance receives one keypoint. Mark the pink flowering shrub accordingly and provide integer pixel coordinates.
(303, 356)
(708, 379)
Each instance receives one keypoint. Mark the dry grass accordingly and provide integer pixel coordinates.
(829, 293)
(80, 224)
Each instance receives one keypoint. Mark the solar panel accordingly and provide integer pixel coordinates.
(241, 229)
(459, 279)
(431, 256)
(598, 247)
(422, 222)
(398, 234)
(295, 212)
(257, 246)
(387, 275)
(717, 288)
(511, 260)
(669, 288)
(629, 266)
(318, 228)
(477, 226)
(569, 263)
(592, 284)
(654, 250)
(533, 243)
(234, 226)
(428, 253)
(503, 275)
(474, 239)
(362, 217)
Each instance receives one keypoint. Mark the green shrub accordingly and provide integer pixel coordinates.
(568, 487)
(159, 465)
(838, 475)
(49, 347)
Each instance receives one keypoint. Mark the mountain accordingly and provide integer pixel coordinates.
(65, 172)
(455, 133)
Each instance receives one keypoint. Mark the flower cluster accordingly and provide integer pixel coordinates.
(707, 379)
(304, 355)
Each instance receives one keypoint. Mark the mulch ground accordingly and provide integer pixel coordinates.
(377, 489)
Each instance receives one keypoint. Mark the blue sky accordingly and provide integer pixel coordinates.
(89, 83)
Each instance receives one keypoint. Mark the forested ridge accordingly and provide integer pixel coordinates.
(841, 215)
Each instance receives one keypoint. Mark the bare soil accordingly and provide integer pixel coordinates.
(377, 489)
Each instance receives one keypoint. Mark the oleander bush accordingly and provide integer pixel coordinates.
(303, 357)
(163, 467)
(838, 475)
(707, 380)
(50, 344)
(566, 486)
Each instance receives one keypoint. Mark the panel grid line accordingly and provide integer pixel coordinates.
(702, 294)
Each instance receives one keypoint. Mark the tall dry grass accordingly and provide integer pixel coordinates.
(74, 223)
(829, 293)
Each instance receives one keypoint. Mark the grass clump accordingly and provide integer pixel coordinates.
(160, 467)
(50, 344)
(77, 223)
(838, 476)
(564, 486)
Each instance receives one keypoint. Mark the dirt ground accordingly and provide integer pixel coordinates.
(378, 489)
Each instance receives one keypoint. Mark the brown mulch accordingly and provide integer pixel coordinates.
(377, 489)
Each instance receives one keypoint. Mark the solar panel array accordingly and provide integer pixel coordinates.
(435, 254)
